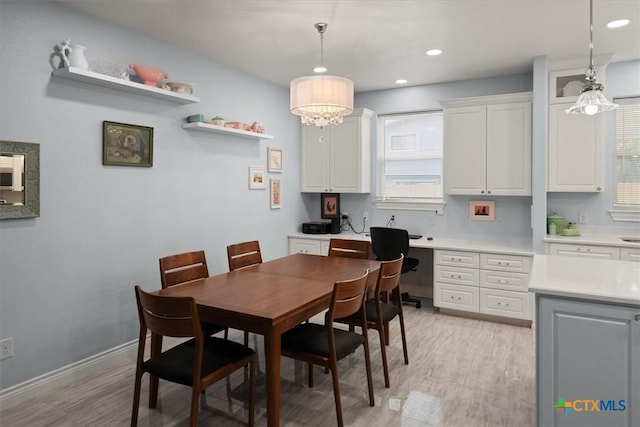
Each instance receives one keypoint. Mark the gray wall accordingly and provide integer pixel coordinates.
(67, 278)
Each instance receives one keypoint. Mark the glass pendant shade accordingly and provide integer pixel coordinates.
(321, 100)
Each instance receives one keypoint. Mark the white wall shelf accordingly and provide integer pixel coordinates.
(104, 80)
(206, 127)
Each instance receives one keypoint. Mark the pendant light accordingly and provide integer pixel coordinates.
(321, 99)
(592, 99)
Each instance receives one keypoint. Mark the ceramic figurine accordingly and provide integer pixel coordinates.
(64, 48)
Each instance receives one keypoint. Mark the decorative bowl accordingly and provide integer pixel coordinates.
(149, 75)
(237, 125)
(179, 87)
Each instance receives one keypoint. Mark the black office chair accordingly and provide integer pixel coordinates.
(388, 244)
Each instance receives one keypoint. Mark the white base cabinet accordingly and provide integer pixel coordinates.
(587, 251)
(486, 283)
(308, 246)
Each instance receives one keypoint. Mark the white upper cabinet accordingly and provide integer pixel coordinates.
(487, 145)
(575, 151)
(342, 162)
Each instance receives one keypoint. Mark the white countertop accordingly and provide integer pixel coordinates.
(586, 278)
(437, 243)
(599, 236)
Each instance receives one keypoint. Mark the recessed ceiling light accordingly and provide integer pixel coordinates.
(402, 81)
(618, 23)
(434, 52)
(320, 69)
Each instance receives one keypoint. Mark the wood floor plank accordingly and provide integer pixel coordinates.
(465, 372)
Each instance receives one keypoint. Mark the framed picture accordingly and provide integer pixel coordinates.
(275, 193)
(126, 145)
(257, 178)
(482, 210)
(274, 159)
(330, 203)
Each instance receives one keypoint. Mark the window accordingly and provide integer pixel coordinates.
(626, 162)
(410, 161)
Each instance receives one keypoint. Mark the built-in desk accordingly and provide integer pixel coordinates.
(464, 277)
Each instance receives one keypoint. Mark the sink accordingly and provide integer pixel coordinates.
(631, 239)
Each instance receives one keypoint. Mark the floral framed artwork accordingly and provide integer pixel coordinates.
(275, 193)
(482, 210)
(274, 159)
(126, 145)
(257, 179)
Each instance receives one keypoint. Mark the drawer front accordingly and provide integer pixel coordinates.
(462, 259)
(516, 305)
(602, 252)
(456, 275)
(304, 246)
(503, 280)
(455, 297)
(514, 263)
(630, 254)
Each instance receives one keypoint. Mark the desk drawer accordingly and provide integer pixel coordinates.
(504, 280)
(514, 263)
(505, 303)
(456, 275)
(455, 297)
(457, 258)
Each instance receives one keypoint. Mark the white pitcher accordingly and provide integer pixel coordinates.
(76, 57)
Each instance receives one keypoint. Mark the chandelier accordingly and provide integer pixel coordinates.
(592, 99)
(321, 99)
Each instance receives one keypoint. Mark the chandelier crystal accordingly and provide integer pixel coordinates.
(592, 100)
(321, 100)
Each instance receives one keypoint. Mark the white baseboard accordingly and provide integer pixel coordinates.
(43, 384)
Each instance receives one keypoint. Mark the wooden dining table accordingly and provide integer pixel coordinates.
(270, 298)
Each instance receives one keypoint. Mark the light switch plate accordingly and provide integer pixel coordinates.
(6, 348)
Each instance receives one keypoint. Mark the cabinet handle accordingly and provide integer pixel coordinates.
(488, 191)
(599, 189)
(482, 192)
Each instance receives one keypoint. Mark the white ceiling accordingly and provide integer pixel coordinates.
(375, 42)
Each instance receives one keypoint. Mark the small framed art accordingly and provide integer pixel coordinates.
(482, 210)
(274, 159)
(257, 179)
(126, 145)
(275, 193)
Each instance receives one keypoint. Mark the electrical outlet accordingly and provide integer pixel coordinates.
(6, 348)
(583, 218)
(365, 215)
(345, 215)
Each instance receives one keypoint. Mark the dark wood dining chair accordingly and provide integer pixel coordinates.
(197, 362)
(186, 267)
(245, 254)
(324, 345)
(349, 248)
(380, 310)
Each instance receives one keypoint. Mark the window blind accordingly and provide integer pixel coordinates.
(626, 164)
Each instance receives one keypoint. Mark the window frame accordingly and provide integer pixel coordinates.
(403, 203)
(619, 211)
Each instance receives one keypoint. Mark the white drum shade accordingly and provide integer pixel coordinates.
(321, 100)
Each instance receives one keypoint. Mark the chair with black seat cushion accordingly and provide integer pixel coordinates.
(324, 345)
(197, 362)
(379, 311)
(388, 244)
(186, 267)
(349, 248)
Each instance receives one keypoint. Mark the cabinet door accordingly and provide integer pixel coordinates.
(509, 149)
(575, 150)
(603, 252)
(314, 161)
(465, 150)
(344, 157)
(304, 246)
(587, 350)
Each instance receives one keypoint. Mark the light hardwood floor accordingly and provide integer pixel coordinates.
(461, 373)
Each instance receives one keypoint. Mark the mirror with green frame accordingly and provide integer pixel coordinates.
(19, 180)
